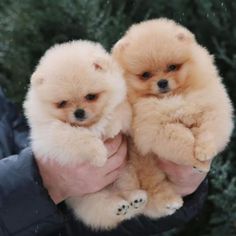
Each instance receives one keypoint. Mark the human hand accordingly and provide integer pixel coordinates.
(184, 178)
(68, 181)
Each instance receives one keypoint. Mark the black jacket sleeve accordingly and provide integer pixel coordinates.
(13, 128)
(25, 207)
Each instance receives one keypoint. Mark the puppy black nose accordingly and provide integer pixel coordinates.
(79, 114)
(162, 84)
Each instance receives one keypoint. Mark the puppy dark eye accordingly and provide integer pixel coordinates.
(61, 104)
(146, 75)
(91, 97)
(172, 67)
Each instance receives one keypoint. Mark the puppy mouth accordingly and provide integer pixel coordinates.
(74, 124)
(82, 119)
(86, 122)
(77, 122)
(163, 91)
(80, 123)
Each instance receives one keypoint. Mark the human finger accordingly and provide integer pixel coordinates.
(116, 160)
(113, 144)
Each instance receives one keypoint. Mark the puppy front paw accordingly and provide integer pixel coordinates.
(203, 154)
(205, 151)
(98, 155)
(113, 129)
(201, 167)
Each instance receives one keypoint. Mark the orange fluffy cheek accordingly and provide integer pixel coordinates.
(64, 114)
(174, 82)
(180, 78)
(94, 110)
(139, 87)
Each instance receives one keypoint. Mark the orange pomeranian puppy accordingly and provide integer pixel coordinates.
(181, 110)
(76, 99)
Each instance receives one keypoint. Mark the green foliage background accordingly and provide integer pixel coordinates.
(29, 27)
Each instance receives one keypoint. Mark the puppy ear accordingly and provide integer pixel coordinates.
(101, 64)
(185, 36)
(36, 79)
(119, 47)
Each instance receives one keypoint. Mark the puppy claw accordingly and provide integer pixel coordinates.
(198, 170)
(201, 167)
(203, 157)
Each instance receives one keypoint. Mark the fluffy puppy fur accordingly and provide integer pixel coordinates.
(77, 97)
(181, 110)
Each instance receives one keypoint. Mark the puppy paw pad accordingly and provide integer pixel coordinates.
(122, 208)
(138, 200)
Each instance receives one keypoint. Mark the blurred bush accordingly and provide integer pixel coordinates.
(29, 27)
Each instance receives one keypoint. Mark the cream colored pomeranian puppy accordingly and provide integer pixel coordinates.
(77, 99)
(181, 110)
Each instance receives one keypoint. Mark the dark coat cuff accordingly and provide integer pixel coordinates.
(25, 206)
